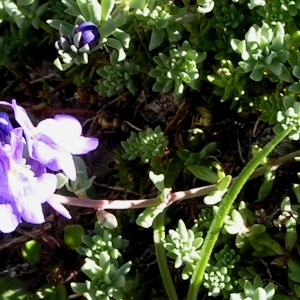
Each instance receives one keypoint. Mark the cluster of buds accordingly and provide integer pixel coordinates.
(77, 45)
(85, 36)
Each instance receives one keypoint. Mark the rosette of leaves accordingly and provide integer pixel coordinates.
(146, 144)
(107, 278)
(229, 18)
(116, 77)
(104, 240)
(229, 83)
(216, 279)
(269, 106)
(177, 69)
(162, 22)
(279, 11)
(205, 217)
(263, 52)
(289, 116)
(255, 290)
(183, 245)
(217, 276)
(227, 257)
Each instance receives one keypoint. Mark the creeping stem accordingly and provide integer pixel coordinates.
(224, 209)
(176, 196)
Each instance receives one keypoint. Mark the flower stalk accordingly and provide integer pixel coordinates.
(224, 209)
(173, 197)
(158, 237)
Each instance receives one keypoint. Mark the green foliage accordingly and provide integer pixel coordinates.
(288, 218)
(229, 83)
(146, 218)
(241, 223)
(146, 144)
(23, 13)
(161, 21)
(289, 116)
(31, 251)
(255, 290)
(217, 277)
(72, 235)
(104, 240)
(51, 292)
(202, 52)
(117, 76)
(107, 279)
(183, 245)
(181, 66)
(263, 52)
(13, 288)
(101, 15)
(103, 265)
(81, 184)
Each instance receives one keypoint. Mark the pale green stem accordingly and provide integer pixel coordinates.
(158, 237)
(223, 211)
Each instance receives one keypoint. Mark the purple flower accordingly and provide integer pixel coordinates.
(86, 33)
(53, 141)
(21, 192)
(5, 128)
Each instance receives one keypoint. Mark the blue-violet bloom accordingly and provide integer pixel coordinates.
(53, 141)
(5, 128)
(86, 33)
(21, 193)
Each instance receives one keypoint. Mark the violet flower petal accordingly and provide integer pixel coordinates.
(9, 216)
(59, 207)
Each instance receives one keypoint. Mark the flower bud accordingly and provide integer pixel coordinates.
(86, 33)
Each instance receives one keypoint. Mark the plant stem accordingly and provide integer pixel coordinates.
(223, 211)
(158, 236)
(176, 196)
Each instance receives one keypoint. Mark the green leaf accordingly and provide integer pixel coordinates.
(31, 251)
(295, 88)
(83, 6)
(51, 291)
(72, 235)
(224, 183)
(157, 37)
(12, 289)
(295, 276)
(260, 294)
(79, 288)
(116, 44)
(158, 180)
(24, 2)
(146, 218)
(138, 4)
(41, 9)
(95, 12)
(122, 36)
(203, 173)
(107, 7)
